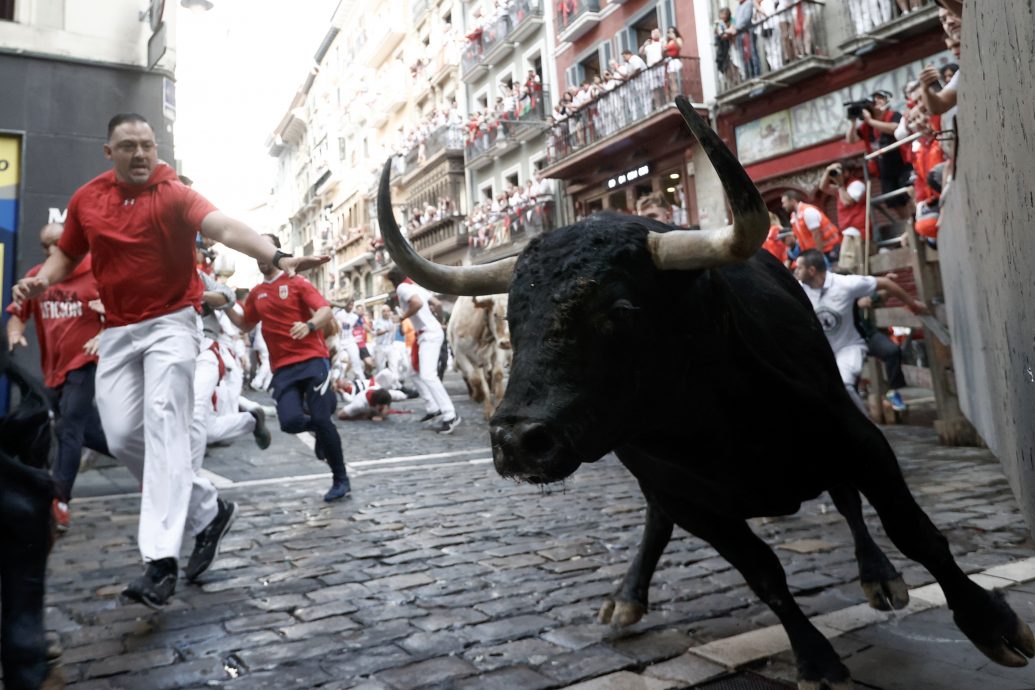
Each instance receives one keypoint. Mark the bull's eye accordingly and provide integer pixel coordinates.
(623, 311)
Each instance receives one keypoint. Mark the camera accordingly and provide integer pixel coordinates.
(854, 109)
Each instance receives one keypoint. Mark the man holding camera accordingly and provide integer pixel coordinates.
(875, 122)
(849, 191)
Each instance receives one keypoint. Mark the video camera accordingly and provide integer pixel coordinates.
(854, 109)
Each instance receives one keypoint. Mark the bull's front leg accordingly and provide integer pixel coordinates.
(629, 604)
(881, 583)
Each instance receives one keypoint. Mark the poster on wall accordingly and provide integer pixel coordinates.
(823, 119)
(10, 176)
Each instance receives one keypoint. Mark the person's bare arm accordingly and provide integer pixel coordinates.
(879, 125)
(15, 333)
(936, 102)
(320, 318)
(56, 268)
(238, 320)
(234, 234)
(852, 135)
(895, 290)
(412, 307)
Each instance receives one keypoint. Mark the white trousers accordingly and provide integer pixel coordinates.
(850, 364)
(207, 426)
(427, 381)
(145, 394)
(350, 354)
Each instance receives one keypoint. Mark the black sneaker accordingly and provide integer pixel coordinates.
(260, 432)
(446, 426)
(410, 393)
(155, 586)
(206, 544)
(429, 416)
(339, 489)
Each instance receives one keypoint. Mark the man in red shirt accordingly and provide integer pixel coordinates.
(293, 315)
(138, 221)
(67, 331)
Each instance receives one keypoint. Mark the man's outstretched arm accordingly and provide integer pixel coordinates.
(234, 234)
(56, 268)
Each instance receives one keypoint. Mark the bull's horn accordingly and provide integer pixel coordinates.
(489, 279)
(686, 250)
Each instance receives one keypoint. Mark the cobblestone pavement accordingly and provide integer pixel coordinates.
(437, 573)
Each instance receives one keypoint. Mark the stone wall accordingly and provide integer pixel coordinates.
(987, 242)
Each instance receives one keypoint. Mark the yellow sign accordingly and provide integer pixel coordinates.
(9, 152)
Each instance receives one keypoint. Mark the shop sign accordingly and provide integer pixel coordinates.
(821, 119)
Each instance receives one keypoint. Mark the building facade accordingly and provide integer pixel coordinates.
(56, 57)
(782, 89)
(630, 141)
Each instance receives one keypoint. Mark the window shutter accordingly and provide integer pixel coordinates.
(572, 75)
(605, 56)
(666, 15)
(623, 41)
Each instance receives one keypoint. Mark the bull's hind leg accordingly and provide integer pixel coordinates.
(983, 616)
(883, 585)
(628, 605)
(818, 663)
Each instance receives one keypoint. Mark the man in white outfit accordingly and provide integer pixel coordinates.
(347, 318)
(139, 222)
(833, 296)
(414, 301)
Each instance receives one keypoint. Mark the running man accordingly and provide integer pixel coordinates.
(67, 331)
(138, 222)
(293, 315)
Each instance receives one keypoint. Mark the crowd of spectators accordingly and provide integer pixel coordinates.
(516, 101)
(758, 36)
(517, 209)
(416, 136)
(421, 215)
(650, 77)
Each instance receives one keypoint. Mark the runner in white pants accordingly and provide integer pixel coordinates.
(414, 301)
(139, 222)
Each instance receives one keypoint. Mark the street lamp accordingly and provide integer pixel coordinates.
(198, 6)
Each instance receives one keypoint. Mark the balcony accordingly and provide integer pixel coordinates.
(526, 16)
(384, 40)
(870, 32)
(447, 139)
(774, 53)
(511, 129)
(496, 43)
(420, 8)
(471, 64)
(575, 18)
(647, 94)
(443, 64)
(493, 239)
(440, 237)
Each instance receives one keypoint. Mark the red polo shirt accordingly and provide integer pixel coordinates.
(64, 322)
(278, 304)
(142, 241)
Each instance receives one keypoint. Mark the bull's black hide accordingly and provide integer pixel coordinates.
(26, 491)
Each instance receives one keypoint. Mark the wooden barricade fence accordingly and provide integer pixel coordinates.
(916, 267)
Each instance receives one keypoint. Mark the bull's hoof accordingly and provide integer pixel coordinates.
(998, 632)
(620, 613)
(887, 594)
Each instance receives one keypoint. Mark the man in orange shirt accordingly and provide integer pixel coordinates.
(812, 229)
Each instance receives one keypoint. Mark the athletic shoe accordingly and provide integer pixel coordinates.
(206, 544)
(429, 416)
(260, 432)
(339, 489)
(155, 586)
(897, 403)
(62, 519)
(446, 426)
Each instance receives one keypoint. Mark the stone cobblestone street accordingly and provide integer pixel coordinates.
(437, 573)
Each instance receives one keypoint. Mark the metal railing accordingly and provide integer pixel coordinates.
(569, 11)
(446, 137)
(527, 113)
(448, 231)
(419, 8)
(646, 93)
(495, 33)
(522, 10)
(510, 225)
(867, 17)
(472, 55)
(794, 33)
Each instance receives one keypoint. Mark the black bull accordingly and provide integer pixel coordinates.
(744, 357)
(25, 494)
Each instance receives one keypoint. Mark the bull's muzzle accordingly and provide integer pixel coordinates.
(530, 451)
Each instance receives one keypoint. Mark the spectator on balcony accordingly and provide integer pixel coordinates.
(849, 191)
(746, 43)
(811, 227)
(724, 34)
(545, 185)
(907, 6)
(634, 64)
(653, 49)
(766, 16)
(877, 130)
